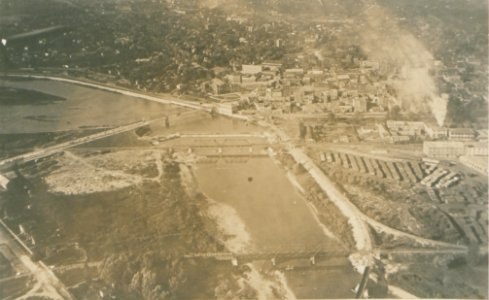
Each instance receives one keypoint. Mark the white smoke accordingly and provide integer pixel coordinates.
(438, 106)
(404, 59)
(417, 92)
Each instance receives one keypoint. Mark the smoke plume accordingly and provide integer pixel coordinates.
(405, 61)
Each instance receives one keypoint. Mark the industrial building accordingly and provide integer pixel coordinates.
(461, 134)
(454, 149)
(444, 149)
(436, 132)
(406, 128)
(476, 149)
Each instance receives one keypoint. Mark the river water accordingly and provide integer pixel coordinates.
(253, 201)
(82, 107)
(265, 213)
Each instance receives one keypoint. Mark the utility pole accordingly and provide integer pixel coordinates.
(363, 283)
(3, 60)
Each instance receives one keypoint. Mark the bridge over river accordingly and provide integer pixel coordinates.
(273, 256)
(41, 153)
(312, 255)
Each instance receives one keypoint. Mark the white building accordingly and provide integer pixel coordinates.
(436, 132)
(444, 149)
(461, 134)
(408, 128)
(251, 69)
(453, 149)
(227, 108)
(476, 149)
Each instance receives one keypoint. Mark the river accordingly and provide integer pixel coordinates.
(268, 214)
(82, 107)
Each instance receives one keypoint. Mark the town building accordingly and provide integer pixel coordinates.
(406, 128)
(360, 105)
(227, 108)
(436, 132)
(476, 149)
(453, 149)
(251, 69)
(443, 149)
(273, 94)
(292, 73)
(461, 134)
(271, 66)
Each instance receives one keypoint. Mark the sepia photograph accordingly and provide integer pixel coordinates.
(244, 149)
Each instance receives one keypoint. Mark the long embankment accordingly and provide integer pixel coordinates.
(359, 228)
(164, 99)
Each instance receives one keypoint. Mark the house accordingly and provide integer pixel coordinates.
(293, 76)
(316, 75)
(251, 69)
(343, 80)
(294, 72)
(273, 93)
(271, 66)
